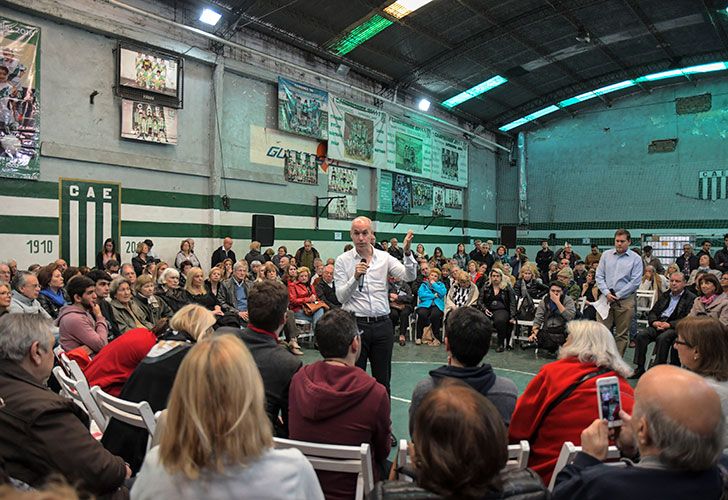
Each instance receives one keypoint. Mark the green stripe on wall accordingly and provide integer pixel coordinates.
(49, 190)
(17, 224)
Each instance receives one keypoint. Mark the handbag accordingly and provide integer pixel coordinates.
(310, 308)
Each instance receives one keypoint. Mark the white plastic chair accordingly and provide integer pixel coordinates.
(337, 458)
(136, 414)
(645, 301)
(79, 392)
(567, 455)
(518, 455)
(71, 367)
(403, 459)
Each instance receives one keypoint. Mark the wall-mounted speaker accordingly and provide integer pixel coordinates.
(264, 229)
(508, 236)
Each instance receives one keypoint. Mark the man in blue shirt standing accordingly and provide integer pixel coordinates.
(618, 277)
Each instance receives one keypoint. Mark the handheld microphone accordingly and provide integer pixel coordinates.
(361, 278)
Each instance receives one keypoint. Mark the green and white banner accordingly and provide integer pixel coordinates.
(422, 194)
(449, 160)
(19, 100)
(357, 133)
(89, 214)
(303, 109)
(409, 148)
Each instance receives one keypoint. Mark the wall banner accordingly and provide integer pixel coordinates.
(89, 213)
(357, 133)
(408, 148)
(19, 100)
(301, 168)
(438, 200)
(449, 160)
(343, 182)
(385, 191)
(303, 109)
(268, 146)
(421, 197)
(453, 198)
(401, 194)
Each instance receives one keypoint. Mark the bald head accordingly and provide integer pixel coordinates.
(679, 398)
(678, 419)
(362, 234)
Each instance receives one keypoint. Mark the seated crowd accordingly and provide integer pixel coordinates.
(216, 353)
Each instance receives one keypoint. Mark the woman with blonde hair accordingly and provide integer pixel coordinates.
(227, 268)
(152, 379)
(462, 293)
(254, 253)
(217, 442)
(199, 294)
(154, 307)
(546, 420)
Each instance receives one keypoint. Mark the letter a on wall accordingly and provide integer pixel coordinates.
(89, 213)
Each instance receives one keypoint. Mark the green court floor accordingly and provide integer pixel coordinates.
(411, 363)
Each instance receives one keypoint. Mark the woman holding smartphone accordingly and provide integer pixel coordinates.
(545, 418)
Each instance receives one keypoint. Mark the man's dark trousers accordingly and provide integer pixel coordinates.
(663, 342)
(377, 342)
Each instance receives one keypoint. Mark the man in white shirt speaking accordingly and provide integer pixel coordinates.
(361, 286)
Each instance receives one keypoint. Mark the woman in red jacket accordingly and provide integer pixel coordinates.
(588, 354)
(301, 292)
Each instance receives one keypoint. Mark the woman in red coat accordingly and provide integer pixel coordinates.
(590, 351)
(301, 292)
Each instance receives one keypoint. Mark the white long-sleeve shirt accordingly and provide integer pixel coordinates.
(373, 298)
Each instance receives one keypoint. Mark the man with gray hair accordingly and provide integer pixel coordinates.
(25, 295)
(127, 271)
(677, 430)
(42, 432)
(5, 273)
(233, 292)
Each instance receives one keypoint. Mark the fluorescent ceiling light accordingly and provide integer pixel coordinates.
(690, 70)
(360, 34)
(480, 88)
(210, 17)
(402, 8)
(424, 105)
(529, 118)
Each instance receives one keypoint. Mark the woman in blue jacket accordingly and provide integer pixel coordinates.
(431, 306)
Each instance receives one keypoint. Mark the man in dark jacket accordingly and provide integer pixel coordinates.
(326, 288)
(677, 431)
(306, 255)
(721, 256)
(102, 280)
(268, 302)
(334, 402)
(705, 247)
(687, 262)
(232, 294)
(475, 252)
(224, 252)
(468, 341)
(671, 307)
(544, 257)
(43, 433)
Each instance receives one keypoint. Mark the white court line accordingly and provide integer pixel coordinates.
(400, 399)
(436, 363)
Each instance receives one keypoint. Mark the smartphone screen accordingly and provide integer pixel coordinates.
(610, 401)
